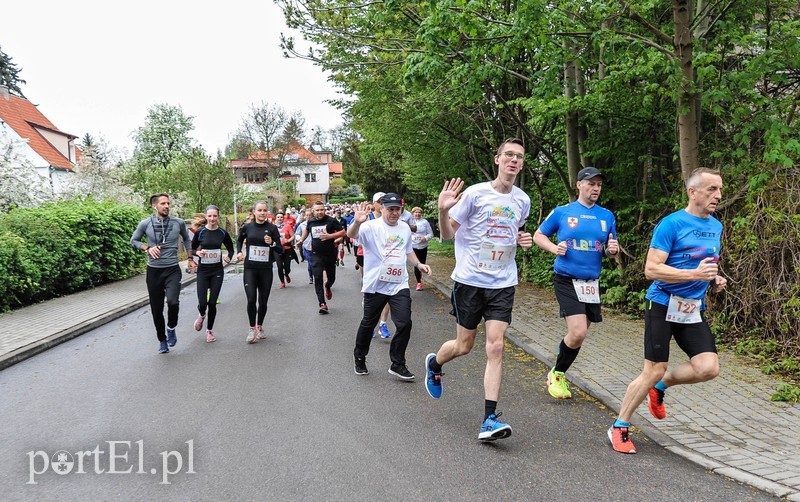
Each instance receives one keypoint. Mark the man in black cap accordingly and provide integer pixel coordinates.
(584, 233)
(387, 249)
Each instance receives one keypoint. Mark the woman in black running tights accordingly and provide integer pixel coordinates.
(207, 245)
(263, 240)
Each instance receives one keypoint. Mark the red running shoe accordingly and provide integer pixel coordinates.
(655, 402)
(328, 293)
(620, 440)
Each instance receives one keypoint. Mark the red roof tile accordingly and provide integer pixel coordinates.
(21, 115)
(335, 167)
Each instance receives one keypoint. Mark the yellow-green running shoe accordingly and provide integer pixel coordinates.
(557, 385)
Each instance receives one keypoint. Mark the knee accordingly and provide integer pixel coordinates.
(464, 347)
(494, 350)
(708, 371)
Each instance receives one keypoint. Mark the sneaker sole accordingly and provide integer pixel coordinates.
(360, 374)
(501, 433)
(401, 377)
(653, 413)
(427, 359)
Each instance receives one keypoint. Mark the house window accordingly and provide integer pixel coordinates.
(311, 177)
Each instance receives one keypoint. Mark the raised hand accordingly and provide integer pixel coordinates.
(362, 213)
(450, 193)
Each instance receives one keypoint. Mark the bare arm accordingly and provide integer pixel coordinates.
(656, 269)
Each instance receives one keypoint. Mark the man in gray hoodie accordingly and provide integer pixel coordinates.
(158, 236)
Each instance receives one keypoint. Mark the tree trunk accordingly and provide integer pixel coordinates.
(573, 146)
(687, 104)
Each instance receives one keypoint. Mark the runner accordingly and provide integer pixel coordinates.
(162, 234)
(387, 246)
(419, 241)
(323, 231)
(304, 246)
(682, 262)
(284, 260)
(263, 242)
(584, 232)
(486, 221)
(207, 245)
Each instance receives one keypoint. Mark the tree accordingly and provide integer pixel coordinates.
(9, 74)
(162, 139)
(20, 184)
(99, 173)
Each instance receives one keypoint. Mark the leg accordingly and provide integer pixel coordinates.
(330, 270)
(251, 293)
(700, 368)
(279, 264)
(639, 387)
(307, 255)
(373, 303)
(172, 288)
(462, 345)
(203, 283)
(493, 377)
(401, 315)
(318, 267)
(155, 291)
(215, 285)
(264, 286)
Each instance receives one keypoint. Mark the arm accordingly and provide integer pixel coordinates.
(414, 261)
(277, 244)
(545, 243)
(138, 234)
(240, 243)
(448, 198)
(359, 218)
(228, 243)
(656, 269)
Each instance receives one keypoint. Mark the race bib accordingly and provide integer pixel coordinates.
(316, 232)
(684, 310)
(587, 291)
(393, 270)
(211, 256)
(258, 253)
(416, 238)
(494, 256)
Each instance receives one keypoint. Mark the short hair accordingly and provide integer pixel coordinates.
(515, 141)
(318, 203)
(258, 203)
(416, 208)
(154, 198)
(694, 176)
(279, 213)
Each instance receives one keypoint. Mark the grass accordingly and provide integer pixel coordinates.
(444, 248)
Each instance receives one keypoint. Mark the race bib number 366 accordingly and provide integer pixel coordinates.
(393, 270)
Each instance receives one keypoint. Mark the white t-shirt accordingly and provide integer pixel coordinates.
(486, 241)
(425, 231)
(385, 250)
(306, 243)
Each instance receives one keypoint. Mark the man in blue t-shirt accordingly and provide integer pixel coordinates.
(682, 262)
(584, 232)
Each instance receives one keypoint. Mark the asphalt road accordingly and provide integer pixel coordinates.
(287, 418)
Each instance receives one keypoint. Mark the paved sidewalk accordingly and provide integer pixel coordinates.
(727, 425)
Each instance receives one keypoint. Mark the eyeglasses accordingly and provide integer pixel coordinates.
(510, 155)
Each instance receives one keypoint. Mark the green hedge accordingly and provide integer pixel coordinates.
(62, 247)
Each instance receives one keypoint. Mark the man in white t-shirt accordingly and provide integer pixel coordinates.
(487, 222)
(387, 247)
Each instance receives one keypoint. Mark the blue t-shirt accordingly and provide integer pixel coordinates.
(688, 239)
(585, 230)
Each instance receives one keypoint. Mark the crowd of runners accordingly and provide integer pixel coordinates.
(381, 238)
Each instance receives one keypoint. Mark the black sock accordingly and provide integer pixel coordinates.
(489, 408)
(566, 356)
(435, 367)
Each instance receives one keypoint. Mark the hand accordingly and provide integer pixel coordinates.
(154, 252)
(707, 270)
(561, 248)
(524, 240)
(612, 247)
(450, 193)
(226, 260)
(719, 284)
(201, 253)
(425, 269)
(362, 213)
(268, 239)
(239, 257)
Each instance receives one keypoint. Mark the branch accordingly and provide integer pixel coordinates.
(660, 35)
(670, 54)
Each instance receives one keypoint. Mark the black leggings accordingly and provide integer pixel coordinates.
(323, 263)
(422, 255)
(164, 283)
(284, 262)
(257, 283)
(209, 284)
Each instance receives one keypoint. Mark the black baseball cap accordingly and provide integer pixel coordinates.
(589, 172)
(391, 200)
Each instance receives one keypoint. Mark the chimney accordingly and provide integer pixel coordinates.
(4, 92)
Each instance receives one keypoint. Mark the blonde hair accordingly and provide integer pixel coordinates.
(198, 221)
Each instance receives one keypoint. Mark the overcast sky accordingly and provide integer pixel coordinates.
(97, 66)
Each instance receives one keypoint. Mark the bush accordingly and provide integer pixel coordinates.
(63, 247)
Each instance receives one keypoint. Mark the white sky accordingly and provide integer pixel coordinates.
(98, 66)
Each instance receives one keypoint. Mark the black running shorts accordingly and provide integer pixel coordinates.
(471, 304)
(568, 302)
(693, 339)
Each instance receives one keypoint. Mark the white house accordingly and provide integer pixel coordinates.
(52, 152)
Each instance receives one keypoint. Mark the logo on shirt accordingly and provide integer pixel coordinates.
(603, 226)
(572, 222)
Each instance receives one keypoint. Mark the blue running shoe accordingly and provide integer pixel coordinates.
(492, 429)
(172, 338)
(384, 329)
(163, 349)
(433, 380)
